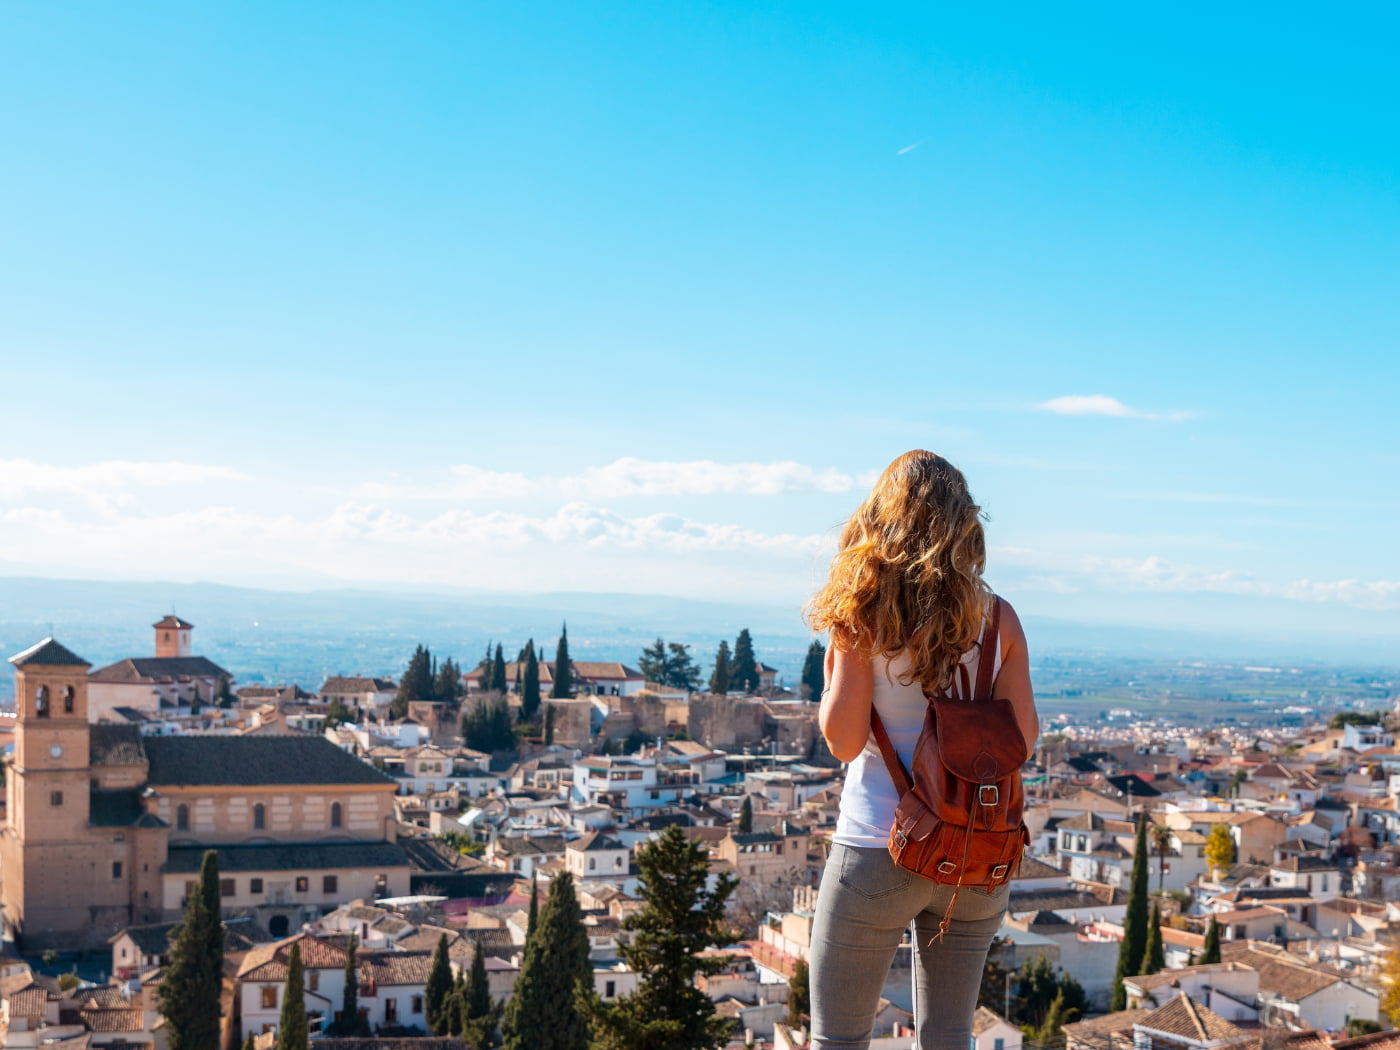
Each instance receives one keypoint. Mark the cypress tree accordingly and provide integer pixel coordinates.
(743, 672)
(746, 815)
(530, 683)
(292, 1031)
(1134, 943)
(249, 1043)
(1155, 956)
(189, 995)
(534, 914)
(719, 679)
(563, 668)
(436, 989)
(548, 726)
(498, 670)
(1211, 952)
(814, 671)
(478, 989)
(544, 1013)
(351, 1023)
(679, 919)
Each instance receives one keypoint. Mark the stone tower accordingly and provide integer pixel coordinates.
(173, 637)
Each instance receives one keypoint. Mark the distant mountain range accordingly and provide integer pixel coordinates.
(303, 636)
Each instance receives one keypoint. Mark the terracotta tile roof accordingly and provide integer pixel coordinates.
(1096, 1028)
(344, 684)
(143, 669)
(173, 621)
(984, 1019)
(1188, 1019)
(395, 967)
(1280, 973)
(114, 1020)
(31, 1002)
(268, 962)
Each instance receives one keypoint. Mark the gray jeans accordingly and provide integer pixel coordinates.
(863, 909)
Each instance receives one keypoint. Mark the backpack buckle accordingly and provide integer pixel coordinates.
(988, 795)
(899, 839)
(999, 872)
(947, 867)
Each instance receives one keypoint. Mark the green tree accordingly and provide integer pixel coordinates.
(1220, 848)
(480, 1014)
(533, 915)
(337, 714)
(350, 1022)
(1155, 955)
(416, 685)
(436, 989)
(544, 1013)
(719, 678)
(1211, 952)
(249, 1042)
(548, 726)
(669, 664)
(799, 995)
(743, 672)
(224, 696)
(563, 668)
(680, 918)
(1057, 1016)
(447, 687)
(1342, 719)
(1162, 846)
(530, 683)
(814, 671)
(498, 670)
(189, 995)
(292, 1033)
(1134, 943)
(746, 816)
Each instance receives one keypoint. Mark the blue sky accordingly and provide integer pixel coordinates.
(636, 297)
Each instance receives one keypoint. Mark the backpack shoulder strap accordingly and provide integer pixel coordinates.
(987, 658)
(903, 782)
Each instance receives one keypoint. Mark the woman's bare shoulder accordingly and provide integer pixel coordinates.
(1012, 633)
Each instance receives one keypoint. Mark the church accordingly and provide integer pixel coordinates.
(106, 828)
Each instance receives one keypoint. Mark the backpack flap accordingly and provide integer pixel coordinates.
(979, 741)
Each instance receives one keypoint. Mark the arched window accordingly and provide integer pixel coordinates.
(259, 817)
(68, 699)
(335, 814)
(182, 817)
(41, 702)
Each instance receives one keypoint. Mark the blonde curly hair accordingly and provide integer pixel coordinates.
(908, 574)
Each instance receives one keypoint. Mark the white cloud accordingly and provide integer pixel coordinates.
(1103, 405)
(20, 476)
(623, 478)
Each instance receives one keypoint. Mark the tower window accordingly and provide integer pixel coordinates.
(182, 817)
(55, 798)
(336, 814)
(259, 817)
(41, 702)
(116, 869)
(68, 699)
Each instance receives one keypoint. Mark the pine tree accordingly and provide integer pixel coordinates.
(814, 671)
(679, 919)
(416, 684)
(719, 679)
(1211, 952)
(498, 670)
(746, 816)
(292, 1033)
(544, 1012)
(1056, 1017)
(1155, 956)
(447, 687)
(563, 668)
(189, 995)
(799, 995)
(436, 989)
(743, 672)
(530, 683)
(1134, 943)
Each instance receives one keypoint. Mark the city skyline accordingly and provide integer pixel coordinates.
(641, 300)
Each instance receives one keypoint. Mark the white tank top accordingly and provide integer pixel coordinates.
(869, 797)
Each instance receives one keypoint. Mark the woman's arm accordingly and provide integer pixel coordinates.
(844, 716)
(1014, 679)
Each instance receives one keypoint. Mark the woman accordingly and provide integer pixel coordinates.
(904, 605)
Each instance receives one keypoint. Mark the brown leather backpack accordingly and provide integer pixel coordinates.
(958, 821)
